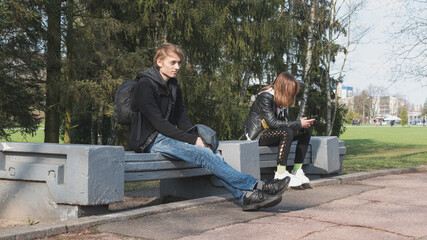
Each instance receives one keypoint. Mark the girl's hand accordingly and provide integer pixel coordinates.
(306, 123)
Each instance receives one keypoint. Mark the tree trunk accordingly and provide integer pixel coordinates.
(244, 87)
(288, 62)
(341, 70)
(53, 72)
(113, 132)
(70, 75)
(93, 127)
(329, 123)
(67, 123)
(99, 125)
(308, 58)
(93, 132)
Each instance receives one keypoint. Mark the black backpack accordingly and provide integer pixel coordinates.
(122, 102)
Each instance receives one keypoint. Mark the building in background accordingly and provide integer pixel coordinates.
(377, 107)
(345, 95)
(346, 91)
(414, 114)
(390, 106)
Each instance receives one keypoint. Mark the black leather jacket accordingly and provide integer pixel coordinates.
(265, 108)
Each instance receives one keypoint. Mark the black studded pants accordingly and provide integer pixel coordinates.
(283, 137)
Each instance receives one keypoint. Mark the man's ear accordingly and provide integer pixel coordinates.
(159, 63)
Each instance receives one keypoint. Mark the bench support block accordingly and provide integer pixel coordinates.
(189, 188)
(21, 200)
(242, 156)
(326, 156)
(58, 181)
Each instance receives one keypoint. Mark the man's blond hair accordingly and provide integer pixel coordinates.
(164, 50)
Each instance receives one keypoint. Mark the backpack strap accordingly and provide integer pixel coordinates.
(139, 122)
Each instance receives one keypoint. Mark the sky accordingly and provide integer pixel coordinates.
(369, 62)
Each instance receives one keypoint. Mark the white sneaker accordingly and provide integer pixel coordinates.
(301, 175)
(295, 182)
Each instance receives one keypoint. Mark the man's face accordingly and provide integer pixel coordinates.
(169, 66)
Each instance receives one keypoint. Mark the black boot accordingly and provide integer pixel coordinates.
(258, 199)
(277, 186)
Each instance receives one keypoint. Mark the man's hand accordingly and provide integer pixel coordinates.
(306, 123)
(199, 142)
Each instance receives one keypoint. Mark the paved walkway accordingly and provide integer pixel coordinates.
(388, 204)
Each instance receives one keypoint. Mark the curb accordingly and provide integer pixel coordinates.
(353, 177)
(50, 229)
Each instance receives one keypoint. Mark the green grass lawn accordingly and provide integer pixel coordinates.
(37, 138)
(374, 148)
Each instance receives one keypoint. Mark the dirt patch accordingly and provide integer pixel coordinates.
(134, 202)
(143, 198)
(5, 224)
(137, 198)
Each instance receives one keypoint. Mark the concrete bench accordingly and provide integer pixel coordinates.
(181, 179)
(58, 181)
(154, 166)
(65, 181)
(324, 156)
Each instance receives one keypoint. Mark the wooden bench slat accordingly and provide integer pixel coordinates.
(290, 158)
(274, 149)
(268, 149)
(154, 166)
(157, 175)
(159, 165)
(140, 157)
(273, 156)
(271, 162)
(266, 164)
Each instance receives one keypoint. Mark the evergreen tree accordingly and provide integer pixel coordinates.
(53, 72)
(21, 67)
(104, 50)
(233, 48)
(404, 116)
(350, 116)
(424, 112)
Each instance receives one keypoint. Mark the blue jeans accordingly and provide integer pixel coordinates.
(234, 181)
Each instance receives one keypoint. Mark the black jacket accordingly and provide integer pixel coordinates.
(265, 108)
(160, 110)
